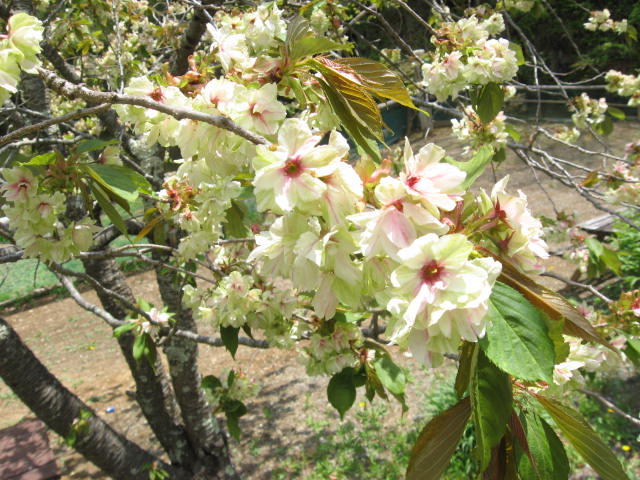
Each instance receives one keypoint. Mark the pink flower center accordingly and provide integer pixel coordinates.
(157, 95)
(412, 180)
(431, 272)
(292, 168)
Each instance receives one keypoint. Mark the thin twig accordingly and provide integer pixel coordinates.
(573, 283)
(114, 322)
(21, 132)
(608, 404)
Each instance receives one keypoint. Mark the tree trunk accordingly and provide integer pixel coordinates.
(205, 432)
(58, 408)
(153, 391)
(190, 40)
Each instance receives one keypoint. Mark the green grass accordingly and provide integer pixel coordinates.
(369, 447)
(19, 279)
(22, 277)
(362, 449)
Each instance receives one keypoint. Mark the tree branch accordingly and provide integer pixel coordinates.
(608, 404)
(114, 322)
(190, 40)
(59, 408)
(573, 283)
(72, 91)
(21, 132)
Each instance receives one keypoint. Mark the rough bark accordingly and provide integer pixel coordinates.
(153, 391)
(32, 88)
(190, 40)
(205, 432)
(58, 408)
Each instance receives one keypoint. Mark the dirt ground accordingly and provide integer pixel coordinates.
(79, 349)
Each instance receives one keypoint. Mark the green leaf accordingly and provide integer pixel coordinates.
(474, 166)
(605, 127)
(555, 328)
(602, 256)
(391, 376)
(584, 439)
(234, 226)
(233, 406)
(310, 46)
(233, 426)
(122, 181)
(303, 42)
(632, 341)
(517, 339)
(551, 303)
(122, 329)
(510, 129)
(616, 113)
(93, 144)
(500, 155)
(379, 80)
(341, 391)
(518, 51)
(211, 382)
(105, 204)
(361, 105)
(229, 336)
(143, 346)
(44, 159)
(463, 377)
(491, 399)
(437, 442)
(233, 410)
(546, 449)
(296, 87)
(632, 348)
(362, 137)
(488, 101)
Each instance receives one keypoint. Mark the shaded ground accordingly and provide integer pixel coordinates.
(80, 350)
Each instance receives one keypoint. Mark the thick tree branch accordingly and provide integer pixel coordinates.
(59, 408)
(72, 91)
(153, 391)
(203, 429)
(190, 40)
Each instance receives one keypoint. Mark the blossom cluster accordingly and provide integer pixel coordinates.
(624, 182)
(232, 385)
(566, 134)
(338, 238)
(514, 233)
(465, 55)
(588, 112)
(624, 85)
(34, 211)
(393, 246)
(242, 301)
(331, 352)
(238, 40)
(601, 20)
(471, 130)
(18, 51)
(520, 5)
(584, 357)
